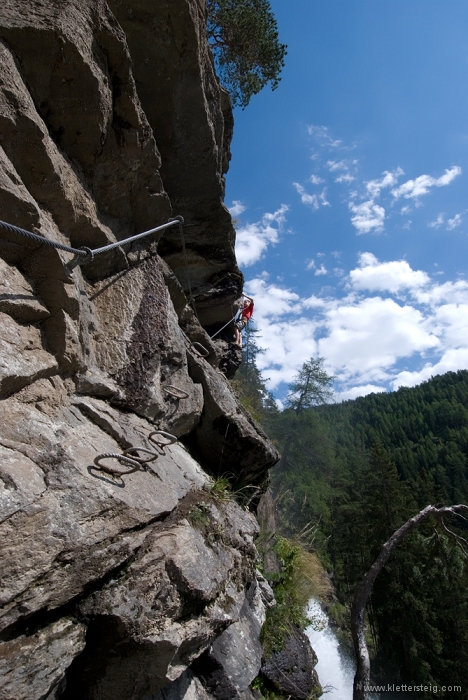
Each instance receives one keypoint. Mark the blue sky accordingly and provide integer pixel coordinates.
(349, 183)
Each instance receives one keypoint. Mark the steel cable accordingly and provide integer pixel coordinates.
(225, 325)
(40, 239)
(85, 252)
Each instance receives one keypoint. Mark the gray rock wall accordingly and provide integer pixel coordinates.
(111, 121)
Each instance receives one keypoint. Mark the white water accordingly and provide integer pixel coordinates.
(335, 667)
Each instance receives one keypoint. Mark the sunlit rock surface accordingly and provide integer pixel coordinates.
(111, 121)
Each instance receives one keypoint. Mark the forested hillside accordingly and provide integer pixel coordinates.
(352, 473)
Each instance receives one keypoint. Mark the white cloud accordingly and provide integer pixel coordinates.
(365, 339)
(383, 324)
(334, 165)
(306, 198)
(314, 200)
(437, 223)
(236, 208)
(315, 179)
(438, 294)
(388, 180)
(323, 198)
(422, 184)
(451, 361)
(322, 135)
(450, 322)
(451, 223)
(286, 334)
(361, 390)
(287, 344)
(252, 240)
(272, 301)
(345, 178)
(455, 222)
(320, 132)
(390, 276)
(367, 216)
(448, 176)
(360, 339)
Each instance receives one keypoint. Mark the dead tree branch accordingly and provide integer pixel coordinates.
(362, 677)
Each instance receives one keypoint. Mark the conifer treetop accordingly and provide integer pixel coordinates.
(312, 386)
(243, 35)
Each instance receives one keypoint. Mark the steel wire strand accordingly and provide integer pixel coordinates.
(168, 439)
(84, 251)
(134, 463)
(187, 274)
(175, 392)
(40, 239)
(129, 457)
(111, 246)
(225, 326)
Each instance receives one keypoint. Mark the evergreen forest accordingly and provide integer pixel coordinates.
(350, 474)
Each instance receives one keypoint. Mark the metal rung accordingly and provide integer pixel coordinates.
(175, 391)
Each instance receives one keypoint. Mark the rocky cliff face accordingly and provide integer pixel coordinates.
(113, 585)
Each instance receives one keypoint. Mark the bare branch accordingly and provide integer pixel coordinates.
(453, 534)
(363, 591)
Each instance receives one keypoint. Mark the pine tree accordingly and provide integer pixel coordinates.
(249, 383)
(243, 35)
(312, 386)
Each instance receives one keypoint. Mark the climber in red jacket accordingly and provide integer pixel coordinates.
(245, 314)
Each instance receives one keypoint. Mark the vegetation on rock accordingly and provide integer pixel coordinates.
(292, 593)
(243, 35)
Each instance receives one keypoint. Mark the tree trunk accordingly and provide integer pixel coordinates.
(363, 591)
(284, 454)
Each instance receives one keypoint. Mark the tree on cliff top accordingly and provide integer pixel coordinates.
(243, 35)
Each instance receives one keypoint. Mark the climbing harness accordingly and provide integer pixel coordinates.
(175, 392)
(86, 255)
